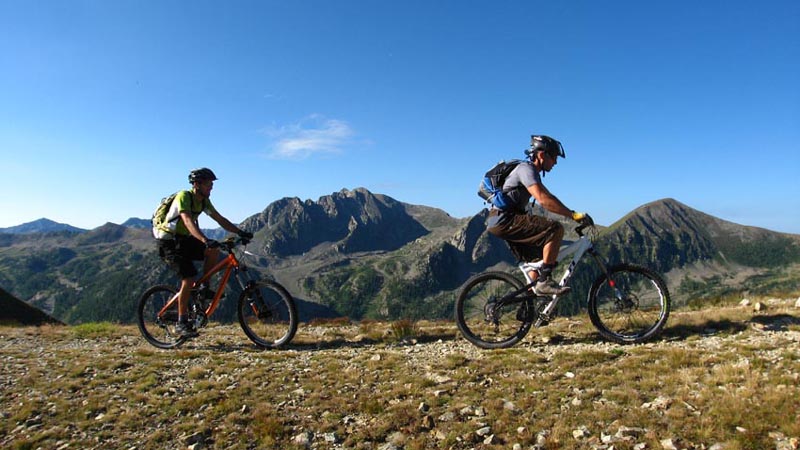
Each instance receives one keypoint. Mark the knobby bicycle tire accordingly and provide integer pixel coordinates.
(638, 313)
(159, 331)
(487, 326)
(267, 314)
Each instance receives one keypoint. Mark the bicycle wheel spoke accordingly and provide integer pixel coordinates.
(485, 322)
(267, 314)
(157, 323)
(631, 307)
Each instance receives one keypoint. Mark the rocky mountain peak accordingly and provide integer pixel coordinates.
(665, 231)
(349, 221)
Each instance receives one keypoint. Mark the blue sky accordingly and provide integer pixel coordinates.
(105, 106)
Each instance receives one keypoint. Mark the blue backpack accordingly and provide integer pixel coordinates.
(491, 187)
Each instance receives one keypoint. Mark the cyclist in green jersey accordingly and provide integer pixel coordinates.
(181, 242)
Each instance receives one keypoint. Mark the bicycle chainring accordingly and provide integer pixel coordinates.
(524, 313)
(200, 319)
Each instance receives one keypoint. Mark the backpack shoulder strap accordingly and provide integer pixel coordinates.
(202, 202)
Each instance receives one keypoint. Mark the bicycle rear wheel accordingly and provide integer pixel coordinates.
(482, 321)
(267, 314)
(157, 327)
(631, 306)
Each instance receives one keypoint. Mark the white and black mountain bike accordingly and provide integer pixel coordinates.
(626, 303)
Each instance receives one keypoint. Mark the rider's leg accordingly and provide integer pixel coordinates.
(179, 253)
(183, 298)
(186, 250)
(211, 259)
(545, 284)
(530, 238)
(184, 328)
(550, 249)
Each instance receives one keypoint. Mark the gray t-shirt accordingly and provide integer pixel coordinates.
(516, 189)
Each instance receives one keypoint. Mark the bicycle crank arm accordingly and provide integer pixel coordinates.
(545, 315)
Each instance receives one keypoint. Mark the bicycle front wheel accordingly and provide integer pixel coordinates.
(157, 324)
(267, 314)
(629, 305)
(485, 323)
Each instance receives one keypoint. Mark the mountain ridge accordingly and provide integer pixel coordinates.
(42, 225)
(45, 225)
(710, 237)
(349, 218)
(365, 255)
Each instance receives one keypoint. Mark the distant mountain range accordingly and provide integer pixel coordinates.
(364, 255)
(49, 226)
(41, 226)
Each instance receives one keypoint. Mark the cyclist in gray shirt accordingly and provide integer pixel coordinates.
(533, 237)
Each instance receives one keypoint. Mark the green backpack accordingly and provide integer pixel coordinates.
(160, 215)
(159, 220)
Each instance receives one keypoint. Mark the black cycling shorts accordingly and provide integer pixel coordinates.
(180, 254)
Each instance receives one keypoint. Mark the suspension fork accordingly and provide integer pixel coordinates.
(245, 282)
(604, 267)
(256, 301)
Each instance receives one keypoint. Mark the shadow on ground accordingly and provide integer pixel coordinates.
(770, 322)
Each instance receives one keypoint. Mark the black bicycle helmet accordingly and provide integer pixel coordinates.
(545, 144)
(202, 174)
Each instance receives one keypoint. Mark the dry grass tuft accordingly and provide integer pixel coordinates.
(404, 329)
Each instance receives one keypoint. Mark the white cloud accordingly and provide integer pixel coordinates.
(309, 137)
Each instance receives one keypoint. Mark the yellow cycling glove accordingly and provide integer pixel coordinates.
(582, 218)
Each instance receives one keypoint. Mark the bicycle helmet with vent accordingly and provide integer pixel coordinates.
(545, 144)
(202, 174)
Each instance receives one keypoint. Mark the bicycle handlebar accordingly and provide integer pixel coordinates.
(230, 243)
(579, 229)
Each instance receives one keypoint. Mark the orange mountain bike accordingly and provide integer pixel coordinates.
(266, 311)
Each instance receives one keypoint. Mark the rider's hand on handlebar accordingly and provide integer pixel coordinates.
(245, 236)
(211, 243)
(582, 218)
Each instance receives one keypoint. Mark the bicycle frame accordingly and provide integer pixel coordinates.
(577, 249)
(231, 265)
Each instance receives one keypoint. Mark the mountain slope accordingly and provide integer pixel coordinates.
(15, 311)
(41, 226)
(671, 235)
(665, 232)
(367, 255)
(703, 256)
(135, 222)
(350, 221)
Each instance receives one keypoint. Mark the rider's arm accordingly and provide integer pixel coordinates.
(192, 227)
(549, 201)
(223, 222)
